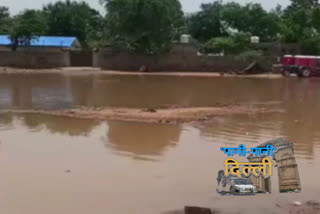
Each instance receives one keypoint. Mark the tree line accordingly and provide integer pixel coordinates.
(150, 26)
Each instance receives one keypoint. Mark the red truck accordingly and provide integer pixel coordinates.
(303, 66)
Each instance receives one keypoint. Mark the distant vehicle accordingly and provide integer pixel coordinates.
(302, 66)
(242, 186)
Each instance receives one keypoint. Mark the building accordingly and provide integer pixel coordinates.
(45, 42)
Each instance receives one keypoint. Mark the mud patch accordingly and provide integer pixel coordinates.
(171, 114)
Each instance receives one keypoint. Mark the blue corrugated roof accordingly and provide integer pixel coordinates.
(4, 40)
(47, 41)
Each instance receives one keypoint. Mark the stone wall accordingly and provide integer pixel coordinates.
(35, 58)
(180, 58)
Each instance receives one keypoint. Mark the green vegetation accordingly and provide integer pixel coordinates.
(150, 26)
(4, 20)
(143, 26)
(63, 18)
(26, 26)
(74, 19)
(216, 23)
(230, 45)
(207, 24)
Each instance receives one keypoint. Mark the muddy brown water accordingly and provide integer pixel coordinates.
(55, 165)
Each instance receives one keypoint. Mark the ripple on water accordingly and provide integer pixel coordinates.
(234, 131)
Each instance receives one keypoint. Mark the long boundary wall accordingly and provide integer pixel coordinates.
(180, 58)
(35, 58)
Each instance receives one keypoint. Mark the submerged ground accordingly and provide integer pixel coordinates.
(52, 164)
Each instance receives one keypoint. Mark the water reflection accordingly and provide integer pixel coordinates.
(60, 125)
(298, 97)
(168, 166)
(63, 91)
(300, 123)
(82, 90)
(141, 141)
(137, 140)
(59, 91)
(23, 91)
(247, 129)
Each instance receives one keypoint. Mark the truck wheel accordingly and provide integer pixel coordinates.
(306, 72)
(286, 73)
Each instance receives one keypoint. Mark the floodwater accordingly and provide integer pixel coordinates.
(55, 165)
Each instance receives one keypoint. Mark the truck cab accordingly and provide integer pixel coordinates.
(301, 65)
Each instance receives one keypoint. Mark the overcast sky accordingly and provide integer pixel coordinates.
(188, 5)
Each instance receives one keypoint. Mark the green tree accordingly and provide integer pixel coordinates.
(71, 18)
(27, 26)
(300, 17)
(316, 18)
(207, 24)
(252, 19)
(217, 20)
(301, 25)
(217, 45)
(4, 20)
(143, 26)
(235, 44)
(303, 4)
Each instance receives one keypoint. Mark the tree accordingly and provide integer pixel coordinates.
(235, 44)
(27, 26)
(252, 19)
(218, 20)
(206, 24)
(301, 14)
(218, 45)
(70, 18)
(303, 4)
(143, 26)
(277, 11)
(4, 13)
(316, 18)
(4, 20)
(301, 25)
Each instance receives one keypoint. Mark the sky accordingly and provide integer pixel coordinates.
(188, 5)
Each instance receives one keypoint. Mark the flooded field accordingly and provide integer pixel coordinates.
(57, 165)
(53, 91)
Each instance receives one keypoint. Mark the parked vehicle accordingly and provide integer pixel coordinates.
(302, 66)
(242, 186)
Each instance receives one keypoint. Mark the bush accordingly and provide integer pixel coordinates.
(224, 45)
(228, 45)
(250, 54)
(311, 46)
